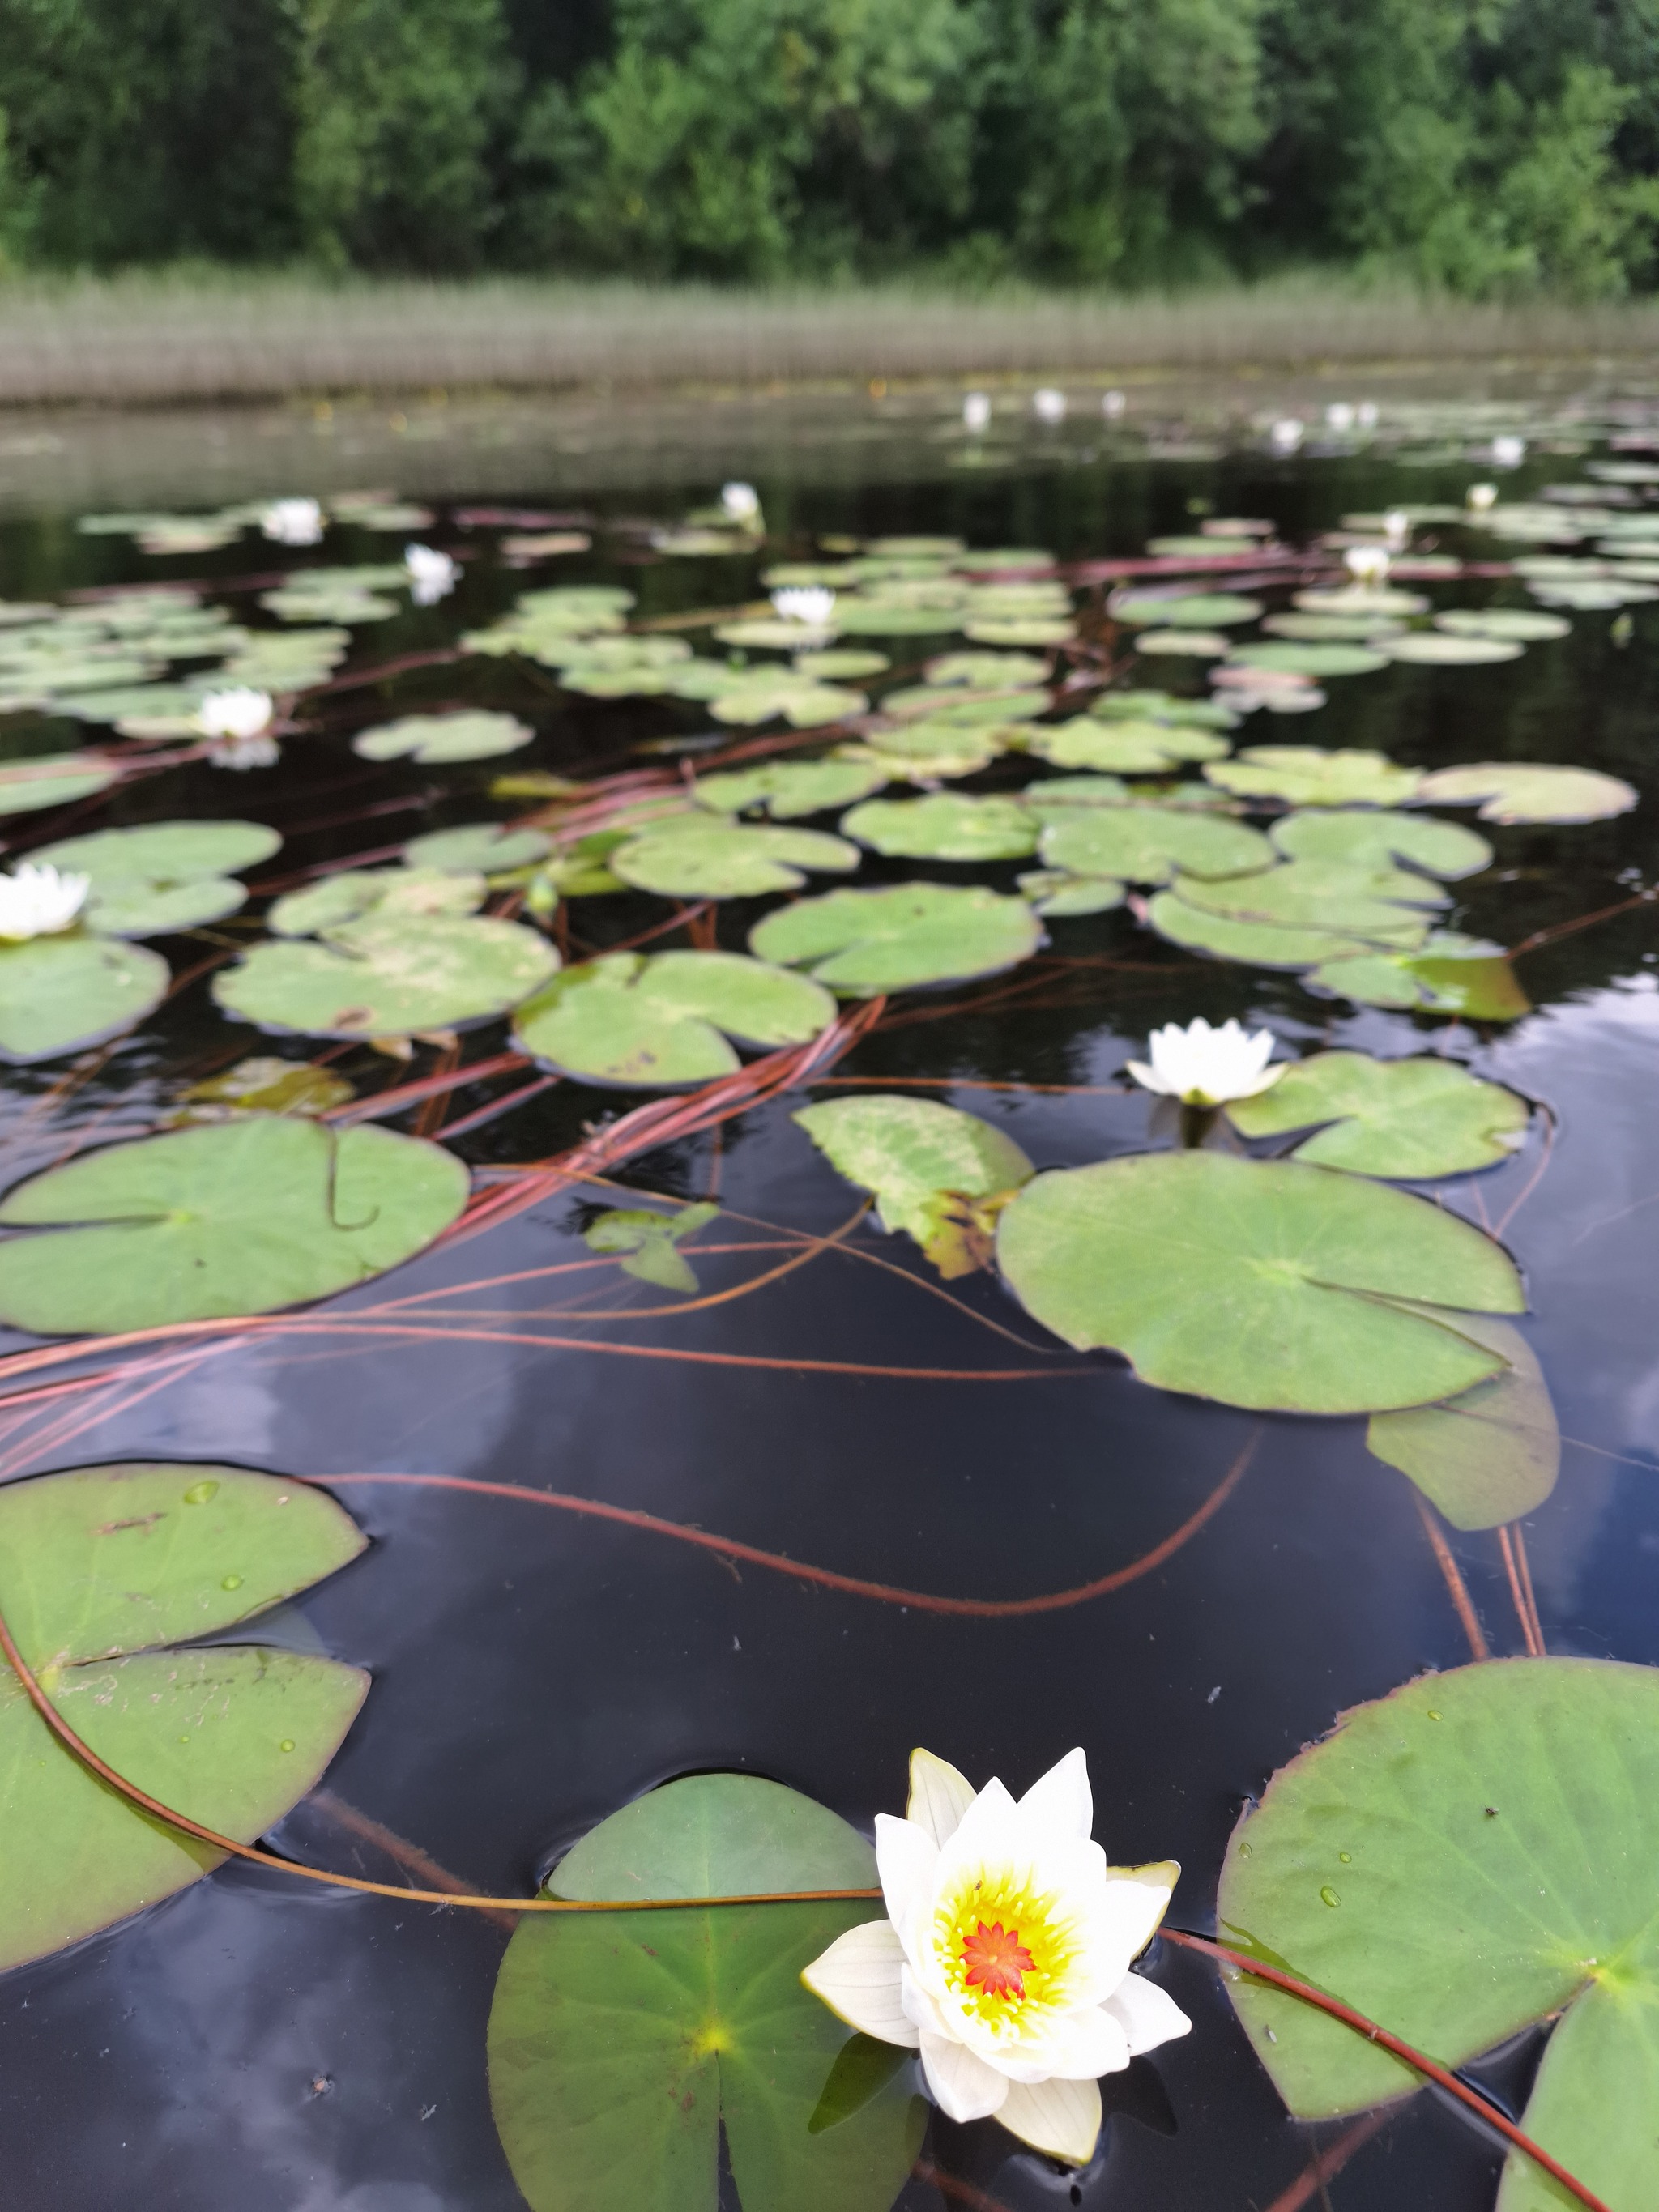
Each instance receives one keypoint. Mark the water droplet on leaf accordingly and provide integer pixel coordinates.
(200, 1493)
(1328, 1896)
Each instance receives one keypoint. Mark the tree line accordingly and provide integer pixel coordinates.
(1486, 147)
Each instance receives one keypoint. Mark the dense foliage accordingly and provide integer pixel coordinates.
(1484, 145)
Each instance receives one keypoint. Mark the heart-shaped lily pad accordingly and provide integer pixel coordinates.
(241, 1217)
(1447, 973)
(786, 789)
(53, 780)
(1150, 844)
(1382, 905)
(1308, 775)
(1252, 943)
(1374, 837)
(1467, 1856)
(353, 893)
(484, 849)
(624, 2047)
(389, 974)
(434, 740)
(1052, 891)
(1529, 791)
(1125, 748)
(700, 856)
(901, 938)
(628, 1021)
(646, 1244)
(1405, 1119)
(927, 1165)
(749, 698)
(946, 825)
(1260, 1283)
(164, 876)
(101, 1568)
(60, 994)
(960, 706)
(1490, 1454)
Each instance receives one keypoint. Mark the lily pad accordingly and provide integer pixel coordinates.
(1374, 837)
(647, 1243)
(930, 1166)
(1192, 644)
(164, 876)
(434, 740)
(1162, 706)
(1378, 904)
(958, 706)
(1352, 600)
(355, 893)
(1031, 631)
(53, 780)
(1308, 775)
(389, 974)
(485, 848)
(748, 699)
(630, 1021)
(624, 2047)
(1324, 629)
(1466, 1856)
(1125, 748)
(1053, 799)
(1437, 649)
(1489, 1455)
(700, 856)
(1527, 791)
(786, 789)
(101, 1568)
(840, 665)
(1066, 897)
(871, 618)
(1447, 973)
(1525, 625)
(1188, 611)
(946, 825)
(1264, 1284)
(1150, 844)
(1252, 943)
(987, 672)
(58, 994)
(1297, 658)
(1403, 1119)
(904, 938)
(239, 1217)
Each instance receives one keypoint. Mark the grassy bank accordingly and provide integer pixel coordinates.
(150, 338)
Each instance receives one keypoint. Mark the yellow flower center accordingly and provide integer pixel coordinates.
(1006, 1948)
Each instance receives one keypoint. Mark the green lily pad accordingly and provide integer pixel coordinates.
(328, 604)
(1465, 1856)
(1405, 1119)
(1124, 747)
(434, 740)
(484, 849)
(987, 672)
(773, 633)
(960, 707)
(629, 1022)
(1052, 799)
(1296, 658)
(58, 994)
(1438, 649)
(946, 825)
(1524, 625)
(101, 1569)
(927, 1164)
(1447, 973)
(1352, 599)
(1191, 644)
(1162, 706)
(1308, 775)
(164, 876)
(747, 699)
(1150, 844)
(1030, 630)
(1527, 791)
(870, 617)
(1190, 610)
(624, 2047)
(1490, 1454)
(1374, 837)
(265, 1084)
(1264, 1284)
(353, 893)
(1327, 629)
(786, 789)
(700, 856)
(53, 780)
(647, 1243)
(840, 665)
(389, 974)
(904, 938)
(1052, 891)
(920, 751)
(239, 1217)
(1251, 943)
(1377, 904)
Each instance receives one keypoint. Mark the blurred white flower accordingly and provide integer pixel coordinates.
(1202, 1066)
(1339, 415)
(239, 711)
(1287, 434)
(1004, 1958)
(1048, 404)
(1397, 529)
(976, 411)
(37, 902)
(432, 575)
(740, 503)
(293, 522)
(1479, 497)
(1367, 564)
(808, 603)
(1509, 452)
(1113, 403)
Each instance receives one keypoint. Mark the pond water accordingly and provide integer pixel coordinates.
(824, 1395)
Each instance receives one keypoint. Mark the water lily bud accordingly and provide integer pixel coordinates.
(809, 604)
(1048, 405)
(740, 503)
(238, 711)
(1367, 564)
(1508, 452)
(432, 575)
(1287, 434)
(1481, 496)
(293, 522)
(1397, 529)
(976, 411)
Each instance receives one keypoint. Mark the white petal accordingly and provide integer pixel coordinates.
(1059, 2118)
(986, 1822)
(963, 2086)
(922, 2008)
(1080, 2047)
(859, 1978)
(1062, 1799)
(1147, 2015)
(906, 1857)
(1147, 1077)
(939, 1795)
(1138, 1899)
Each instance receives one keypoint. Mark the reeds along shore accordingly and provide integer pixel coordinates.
(154, 338)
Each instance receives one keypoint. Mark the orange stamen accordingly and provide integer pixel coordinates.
(997, 1962)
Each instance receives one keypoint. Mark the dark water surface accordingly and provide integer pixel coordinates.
(250, 2047)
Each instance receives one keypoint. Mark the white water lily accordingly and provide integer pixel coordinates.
(1005, 1958)
(1287, 434)
(238, 711)
(976, 411)
(1479, 497)
(293, 522)
(1509, 452)
(739, 502)
(1396, 529)
(1113, 404)
(811, 604)
(1048, 405)
(1202, 1066)
(432, 575)
(1367, 564)
(1339, 416)
(40, 902)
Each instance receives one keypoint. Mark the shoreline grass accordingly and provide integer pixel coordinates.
(193, 335)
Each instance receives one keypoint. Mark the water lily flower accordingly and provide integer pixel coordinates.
(740, 503)
(976, 411)
(1396, 529)
(239, 711)
(809, 604)
(1202, 1066)
(1479, 497)
(1367, 564)
(293, 522)
(1048, 405)
(37, 900)
(1287, 434)
(1509, 452)
(1339, 415)
(432, 575)
(1113, 404)
(1005, 1958)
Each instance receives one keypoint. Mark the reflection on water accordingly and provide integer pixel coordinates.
(535, 1668)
